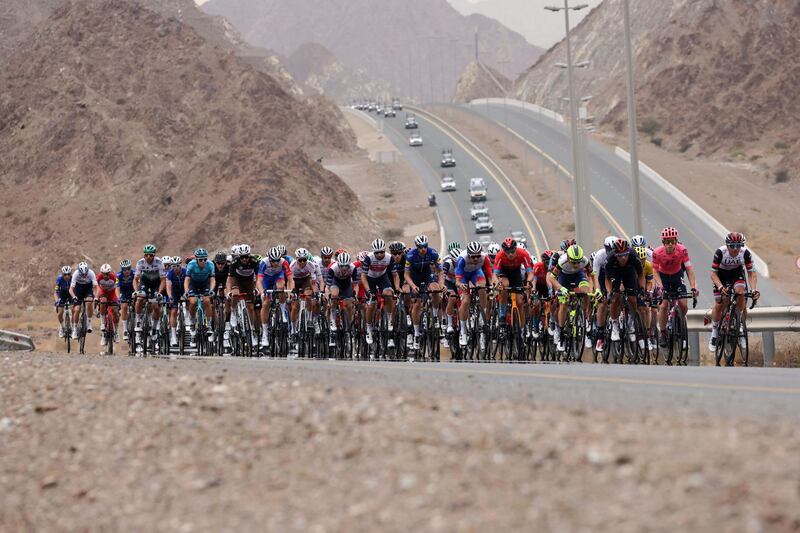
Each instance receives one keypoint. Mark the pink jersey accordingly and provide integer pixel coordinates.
(670, 264)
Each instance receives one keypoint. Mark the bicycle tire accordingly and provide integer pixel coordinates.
(722, 333)
(82, 330)
(745, 352)
(642, 353)
(732, 338)
(579, 334)
(110, 334)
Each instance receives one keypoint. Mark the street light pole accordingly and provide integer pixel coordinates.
(582, 225)
(632, 142)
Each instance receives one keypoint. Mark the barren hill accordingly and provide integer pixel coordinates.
(119, 127)
(480, 81)
(713, 78)
(419, 46)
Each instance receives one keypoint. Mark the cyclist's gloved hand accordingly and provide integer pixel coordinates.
(695, 292)
(564, 291)
(598, 294)
(756, 295)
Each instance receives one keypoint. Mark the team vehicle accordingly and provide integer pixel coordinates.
(411, 122)
(448, 183)
(447, 158)
(477, 190)
(484, 225)
(415, 139)
(477, 211)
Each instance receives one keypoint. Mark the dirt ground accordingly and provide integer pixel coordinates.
(99, 444)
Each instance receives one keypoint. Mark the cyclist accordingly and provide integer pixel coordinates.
(641, 253)
(599, 267)
(323, 262)
(341, 274)
(81, 288)
(106, 294)
(423, 268)
(375, 270)
(241, 284)
(570, 275)
(62, 297)
(623, 269)
(449, 268)
(272, 275)
(511, 265)
(638, 241)
(125, 293)
(566, 243)
(670, 261)
(149, 280)
(200, 280)
(176, 277)
(731, 268)
(472, 268)
(541, 289)
(304, 282)
(221, 267)
(492, 250)
(398, 251)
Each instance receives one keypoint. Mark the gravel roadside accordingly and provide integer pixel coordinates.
(116, 443)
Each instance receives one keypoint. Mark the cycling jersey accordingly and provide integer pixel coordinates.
(614, 269)
(269, 270)
(374, 267)
(666, 263)
(125, 284)
(540, 273)
(83, 279)
(221, 276)
(107, 282)
(568, 268)
(398, 267)
(724, 261)
(62, 289)
(469, 271)
(427, 263)
(150, 273)
(339, 271)
(449, 269)
(502, 262)
(599, 263)
(199, 274)
(648, 270)
(175, 279)
(242, 271)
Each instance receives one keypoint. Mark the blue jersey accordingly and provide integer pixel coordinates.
(417, 263)
(176, 279)
(62, 285)
(125, 284)
(200, 274)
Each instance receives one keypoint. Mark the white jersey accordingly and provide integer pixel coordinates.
(600, 257)
(341, 271)
(307, 269)
(568, 268)
(321, 269)
(374, 267)
(150, 271)
(83, 279)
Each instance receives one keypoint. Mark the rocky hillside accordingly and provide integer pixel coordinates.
(318, 70)
(480, 81)
(118, 127)
(713, 78)
(18, 19)
(411, 44)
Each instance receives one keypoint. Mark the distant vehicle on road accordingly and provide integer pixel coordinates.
(448, 183)
(447, 158)
(389, 112)
(477, 190)
(520, 238)
(485, 241)
(484, 225)
(415, 139)
(477, 211)
(371, 107)
(411, 122)
(396, 105)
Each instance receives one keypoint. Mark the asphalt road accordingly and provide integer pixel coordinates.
(453, 207)
(609, 182)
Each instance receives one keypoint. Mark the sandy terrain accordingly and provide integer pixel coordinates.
(153, 445)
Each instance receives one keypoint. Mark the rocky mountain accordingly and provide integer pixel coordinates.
(319, 71)
(713, 78)
(418, 46)
(480, 81)
(18, 18)
(119, 126)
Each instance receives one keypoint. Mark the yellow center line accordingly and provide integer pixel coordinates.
(561, 377)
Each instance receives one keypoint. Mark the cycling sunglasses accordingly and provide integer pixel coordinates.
(202, 260)
(397, 253)
(670, 241)
(303, 260)
(735, 246)
(149, 255)
(474, 256)
(274, 260)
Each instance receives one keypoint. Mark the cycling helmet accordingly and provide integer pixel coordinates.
(343, 258)
(105, 268)
(669, 233)
(735, 237)
(201, 253)
(229, 258)
(66, 269)
(167, 260)
(509, 243)
(326, 251)
(257, 258)
(235, 250)
(244, 249)
(397, 246)
(83, 268)
(421, 241)
(378, 245)
(566, 243)
(125, 263)
(591, 257)
(621, 246)
(547, 255)
(454, 253)
(474, 248)
(301, 253)
(523, 245)
(362, 255)
(493, 248)
(638, 240)
(220, 257)
(574, 253)
(453, 245)
(641, 251)
(149, 249)
(282, 248)
(609, 242)
(274, 254)
(177, 260)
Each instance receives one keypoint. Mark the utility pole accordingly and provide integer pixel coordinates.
(632, 141)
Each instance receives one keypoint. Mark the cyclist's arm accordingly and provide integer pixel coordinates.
(163, 284)
(692, 277)
(553, 277)
(752, 280)
(715, 280)
(169, 287)
(186, 284)
(660, 284)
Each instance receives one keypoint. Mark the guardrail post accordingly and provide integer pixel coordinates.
(768, 344)
(694, 348)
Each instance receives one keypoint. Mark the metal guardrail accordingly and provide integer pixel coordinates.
(764, 320)
(10, 340)
(519, 103)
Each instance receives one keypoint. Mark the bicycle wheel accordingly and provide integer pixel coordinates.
(180, 331)
(722, 336)
(744, 350)
(67, 324)
(109, 335)
(642, 353)
(578, 334)
(732, 338)
(82, 327)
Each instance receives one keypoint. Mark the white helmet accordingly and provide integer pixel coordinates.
(105, 268)
(637, 241)
(378, 245)
(609, 242)
(83, 268)
(244, 249)
(421, 240)
(493, 248)
(474, 248)
(300, 253)
(66, 269)
(125, 263)
(343, 258)
(167, 260)
(177, 260)
(454, 253)
(235, 249)
(275, 253)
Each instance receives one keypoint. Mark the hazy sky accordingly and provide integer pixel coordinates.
(528, 17)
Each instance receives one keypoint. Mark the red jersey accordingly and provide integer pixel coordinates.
(670, 264)
(540, 273)
(107, 282)
(521, 259)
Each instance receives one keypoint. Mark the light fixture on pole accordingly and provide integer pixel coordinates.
(580, 198)
(632, 142)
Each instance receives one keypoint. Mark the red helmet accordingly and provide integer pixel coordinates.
(547, 255)
(669, 233)
(566, 243)
(621, 246)
(339, 250)
(509, 243)
(735, 237)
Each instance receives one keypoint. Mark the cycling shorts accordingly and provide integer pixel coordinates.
(199, 287)
(64, 299)
(125, 295)
(673, 282)
(542, 290)
(627, 278)
(573, 281)
(730, 277)
(270, 283)
(301, 284)
(513, 275)
(473, 277)
(450, 285)
(110, 296)
(345, 288)
(246, 287)
(83, 291)
(379, 284)
(427, 278)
